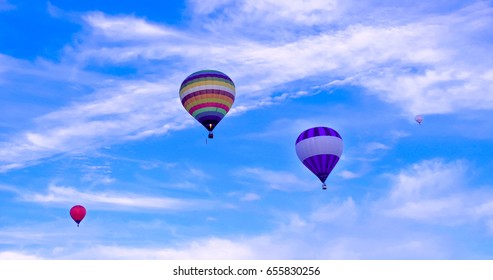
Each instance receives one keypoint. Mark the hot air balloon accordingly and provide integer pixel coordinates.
(78, 212)
(208, 95)
(419, 118)
(319, 148)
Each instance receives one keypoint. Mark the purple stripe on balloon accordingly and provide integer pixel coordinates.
(334, 162)
(209, 118)
(209, 114)
(305, 134)
(321, 165)
(310, 164)
(311, 133)
(331, 163)
(317, 131)
(205, 75)
(208, 72)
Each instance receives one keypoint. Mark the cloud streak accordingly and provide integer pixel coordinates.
(436, 192)
(58, 195)
(5, 5)
(273, 179)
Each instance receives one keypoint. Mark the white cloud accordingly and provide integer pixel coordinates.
(58, 195)
(311, 12)
(12, 255)
(198, 173)
(375, 146)
(417, 56)
(344, 212)
(126, 27)
(395, 135)
(250, 197)
(8, 188)
(97, 174)
(203, 249)
(128, 111)
(453, 82)
(436, 192)
(428, 179)
(277, 180)
(307, 12)
(429, 210)
(346, 174)
(201, 7)
(5, 5)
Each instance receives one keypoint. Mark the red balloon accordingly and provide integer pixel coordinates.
(78, 212)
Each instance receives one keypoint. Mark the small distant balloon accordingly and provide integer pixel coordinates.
(419, 119)
(319, 148)
(207, 96)
(78, 212)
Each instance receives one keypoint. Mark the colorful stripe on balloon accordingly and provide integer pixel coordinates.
(207, 91)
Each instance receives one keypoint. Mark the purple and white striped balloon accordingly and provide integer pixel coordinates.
(319, 148)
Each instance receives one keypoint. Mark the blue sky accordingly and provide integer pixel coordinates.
(91, 115)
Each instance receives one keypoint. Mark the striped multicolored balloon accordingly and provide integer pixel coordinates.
(319, 148)
(208, 95)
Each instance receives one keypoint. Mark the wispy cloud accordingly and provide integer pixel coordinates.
(417, 54)
(131, 110)
(375, 146)
(345, 212)
(346, 174)
(12, 255)
(273, 179)
(435, 191)
(97, 174)
(250, 197)
(8, 188)
(308, 13)
(204, 249)
(58, 195)
(5, 5)
(126, 27)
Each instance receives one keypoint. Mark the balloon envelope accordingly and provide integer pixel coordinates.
(419, 118)
(319, 148)
(78, 212)
(208, 95)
